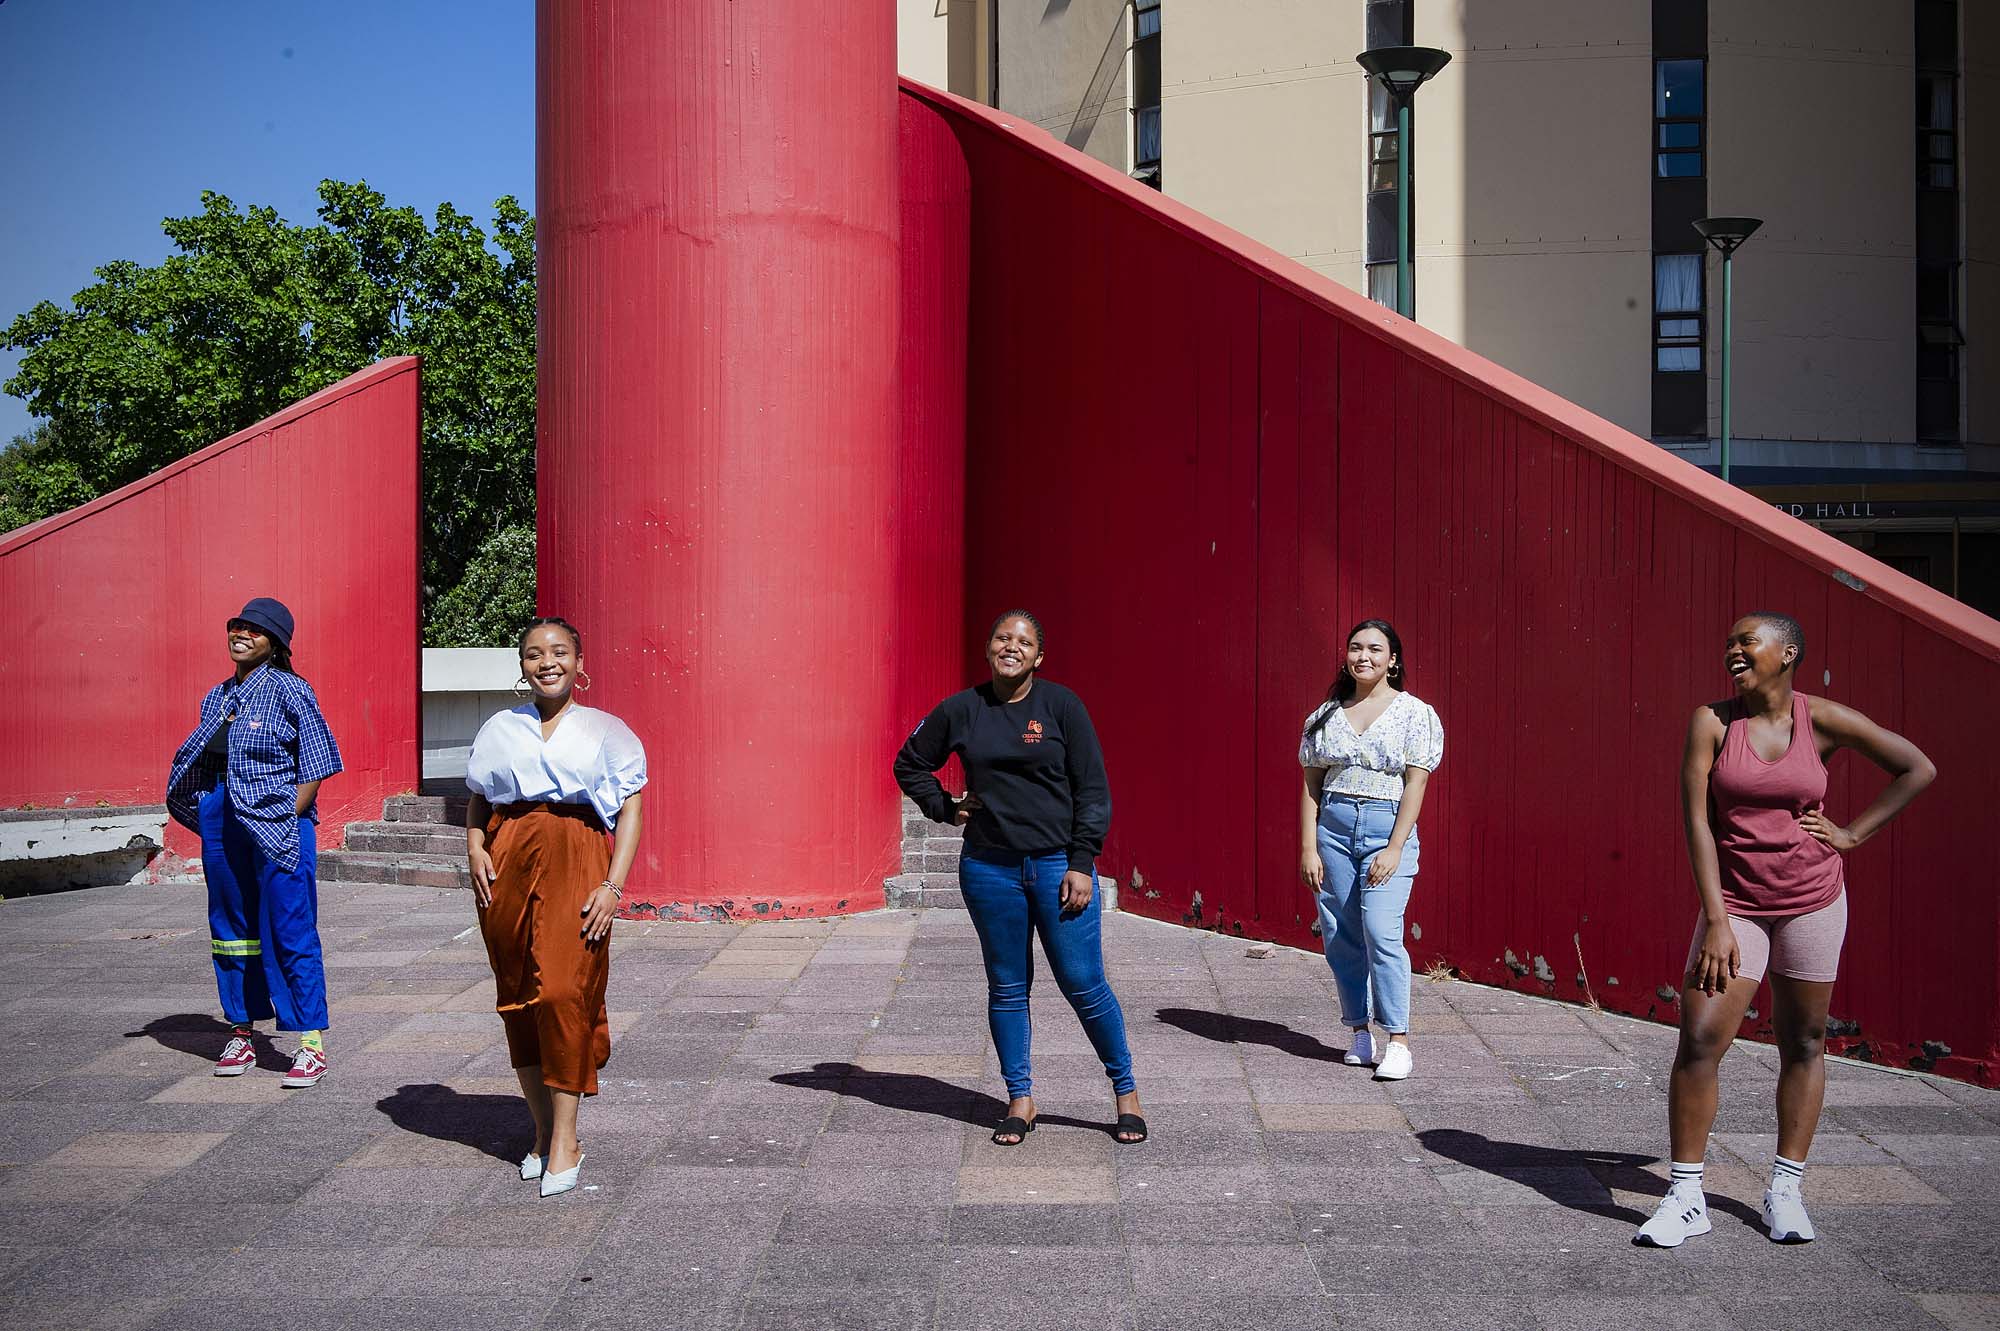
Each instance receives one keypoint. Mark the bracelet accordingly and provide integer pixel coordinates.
(616, 891)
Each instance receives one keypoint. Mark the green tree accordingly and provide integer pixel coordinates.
(253, 313)
(494, 598)
(35, 480)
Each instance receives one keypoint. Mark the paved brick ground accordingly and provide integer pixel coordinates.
(794, 1134)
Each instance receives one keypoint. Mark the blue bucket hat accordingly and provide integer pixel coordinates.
(271, 616)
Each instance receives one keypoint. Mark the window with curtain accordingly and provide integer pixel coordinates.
(1146, 91)
(1389, 23)
(1677, 313)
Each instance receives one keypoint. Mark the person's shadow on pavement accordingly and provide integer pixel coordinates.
(499, 1125)
(1225, 1029)
(918, 1094)
(202, 1036)
(1550, 1170)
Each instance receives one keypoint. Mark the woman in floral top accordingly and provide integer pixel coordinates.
(1368, 751)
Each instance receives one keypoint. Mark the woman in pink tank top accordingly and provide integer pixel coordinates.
(1767, 866)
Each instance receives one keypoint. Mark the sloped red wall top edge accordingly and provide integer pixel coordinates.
(360, 380)
(1932, 608)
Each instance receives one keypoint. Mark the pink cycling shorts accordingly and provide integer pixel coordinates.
(1800, 947)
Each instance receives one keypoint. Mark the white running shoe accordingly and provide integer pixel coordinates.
(1683, 1213)
(1785, 1215)
(1396, 1062)
(1360, 1049)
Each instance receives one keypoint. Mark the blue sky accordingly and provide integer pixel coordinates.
(118, 113)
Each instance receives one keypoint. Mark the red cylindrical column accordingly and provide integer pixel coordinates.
(716, 234)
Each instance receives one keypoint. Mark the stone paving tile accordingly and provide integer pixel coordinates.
(794, 1132)
(1961, 1312)
(862, 1310)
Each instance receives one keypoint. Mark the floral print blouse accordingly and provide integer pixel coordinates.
(1371, 764)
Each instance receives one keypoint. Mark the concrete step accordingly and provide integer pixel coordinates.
(908, 891)
(406, 838)
(440, 810)
(363, 866)
(931, 854)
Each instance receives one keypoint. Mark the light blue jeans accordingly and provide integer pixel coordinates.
(1362, 926)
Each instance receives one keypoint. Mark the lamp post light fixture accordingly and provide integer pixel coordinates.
(1401, 70)
(1726, 234)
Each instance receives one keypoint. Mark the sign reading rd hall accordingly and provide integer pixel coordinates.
(1821, 510)
(1852, 509)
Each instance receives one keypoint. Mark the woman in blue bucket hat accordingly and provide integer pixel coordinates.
(246, 780)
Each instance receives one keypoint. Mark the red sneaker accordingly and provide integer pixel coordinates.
(308, 1066)
(238, 1056)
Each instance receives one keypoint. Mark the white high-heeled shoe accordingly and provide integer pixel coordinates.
(531, 1167)
(553, 1183)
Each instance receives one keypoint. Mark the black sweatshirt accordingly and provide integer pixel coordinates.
(1034, 763)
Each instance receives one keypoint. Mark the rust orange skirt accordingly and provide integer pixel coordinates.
(548, 984)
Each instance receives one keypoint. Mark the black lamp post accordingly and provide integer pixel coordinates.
(1726, 234)
(1401, 70)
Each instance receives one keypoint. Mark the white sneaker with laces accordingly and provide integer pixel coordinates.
(1682, 1214)
(1396, 1062)
(1785, 1215)
(1360, 1049)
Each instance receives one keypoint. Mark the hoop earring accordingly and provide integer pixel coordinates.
(1396, 670)
(522, 688)
(583, 681)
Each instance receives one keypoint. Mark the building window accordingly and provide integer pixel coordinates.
(1679, 149)
(1939, 339)
(1389, 23)
(1382, 284)
(1678, 117)
(1146, 91)
(1677, 313)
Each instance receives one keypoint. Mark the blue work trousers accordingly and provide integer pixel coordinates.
(1361, 926)
(1012, 897)
(263, 922)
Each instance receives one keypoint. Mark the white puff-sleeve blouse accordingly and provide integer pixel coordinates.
(593, 758)
(1371, 764)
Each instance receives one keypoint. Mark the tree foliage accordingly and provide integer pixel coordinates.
(494, 598)
(253, 313)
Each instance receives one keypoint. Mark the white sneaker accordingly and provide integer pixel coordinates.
(1396, 1062)
(1360, 1049)
(1785, 1215)
(1682, 1214)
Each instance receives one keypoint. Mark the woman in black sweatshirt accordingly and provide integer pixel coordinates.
(1034, 821)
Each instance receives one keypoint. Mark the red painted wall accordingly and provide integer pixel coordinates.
(926, 656)
(718, 477)
(117, 608)
(1201, 463)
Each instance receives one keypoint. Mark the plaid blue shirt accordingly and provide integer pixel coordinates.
(278, 742)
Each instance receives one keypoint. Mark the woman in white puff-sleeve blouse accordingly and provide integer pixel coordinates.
(548, 781)
(1368, 751)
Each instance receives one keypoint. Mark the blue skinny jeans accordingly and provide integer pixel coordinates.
(1012, 897)
(1360, 926)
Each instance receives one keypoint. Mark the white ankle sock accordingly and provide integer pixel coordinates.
(1787, 1171)
(1685, 1175)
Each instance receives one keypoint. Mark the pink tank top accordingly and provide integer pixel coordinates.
(1770, 865)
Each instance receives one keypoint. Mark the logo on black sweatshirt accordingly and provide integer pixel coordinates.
(1034, 735)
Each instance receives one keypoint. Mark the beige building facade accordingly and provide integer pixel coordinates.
(1558, 161)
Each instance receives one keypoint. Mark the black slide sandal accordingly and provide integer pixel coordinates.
(1129, 1123)
(1017, 1128)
